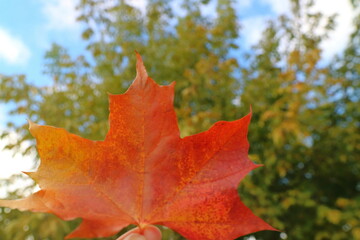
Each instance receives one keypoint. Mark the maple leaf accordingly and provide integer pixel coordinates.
(144, 173)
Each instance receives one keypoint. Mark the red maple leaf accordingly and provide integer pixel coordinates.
(144, 173)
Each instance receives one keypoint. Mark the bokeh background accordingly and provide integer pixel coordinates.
(296, 62)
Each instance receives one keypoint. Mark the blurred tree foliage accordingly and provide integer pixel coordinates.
(305, 126)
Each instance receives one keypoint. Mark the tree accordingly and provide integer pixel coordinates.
(302, 106)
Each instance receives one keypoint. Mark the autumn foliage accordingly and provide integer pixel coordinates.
(144, 173)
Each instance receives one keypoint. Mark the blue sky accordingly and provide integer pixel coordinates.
(28, 28)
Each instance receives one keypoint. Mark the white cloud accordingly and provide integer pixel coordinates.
(12, 49)
(14, 164)
(339, 38)
(11, 163)
(209, 10)
(140, 4)
(61, 14)
(252, 28)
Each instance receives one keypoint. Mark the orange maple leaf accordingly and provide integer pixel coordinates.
(144, 173)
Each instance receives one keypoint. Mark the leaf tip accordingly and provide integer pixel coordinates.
(30, 174)
(32, 126)
(172, 84)
(29, 122)
(258, 165)
(141, 73)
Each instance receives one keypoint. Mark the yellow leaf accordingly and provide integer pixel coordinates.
(342, 202)
(334, 216)
(356, 233)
